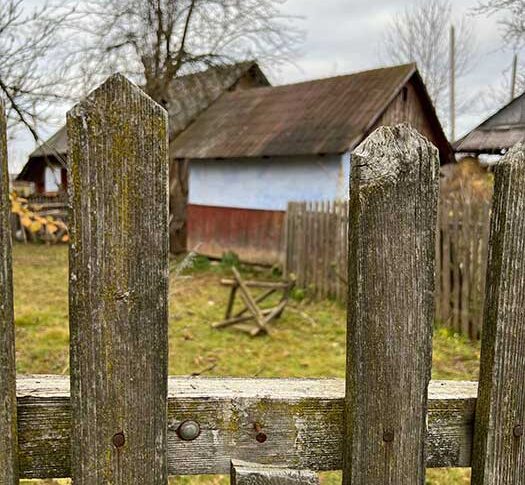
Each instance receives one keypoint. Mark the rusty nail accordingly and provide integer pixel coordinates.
(260, 436)
(388, 436)
(188, 430)
(119, 440)
(518, 430)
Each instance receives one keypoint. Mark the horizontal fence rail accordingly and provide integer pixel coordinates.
(302, 420)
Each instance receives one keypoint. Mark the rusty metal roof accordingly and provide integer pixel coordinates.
(497, 133)
(316, 117)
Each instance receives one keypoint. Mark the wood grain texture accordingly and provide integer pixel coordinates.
(393, 211)
(499, 444)
(302, 419)
(246, 473)
(8, 436)
(118, 285)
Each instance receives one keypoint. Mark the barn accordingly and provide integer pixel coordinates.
(253, 151)
(498, 133)
(249, 147)
(187, 97)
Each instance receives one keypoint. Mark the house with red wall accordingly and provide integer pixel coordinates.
(251, 147)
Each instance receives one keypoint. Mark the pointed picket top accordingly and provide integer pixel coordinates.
(390, 153)
(115, 85)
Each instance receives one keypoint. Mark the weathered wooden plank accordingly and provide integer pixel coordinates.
(445, 263)
(456, 262)
(484, 260)
(118, 285)
(301, 418)
(231, 302)
(250, 302)
(466, 249)
(500, 417)
(393, 209)
(438, 268)
(8, 437)
(246, 473)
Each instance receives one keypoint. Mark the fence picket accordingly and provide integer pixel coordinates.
(499, 440)
(456, 265)
(438, 272)
(445, 262)
(118, 286)
(8, 427)
(390, 306)
(466, 255)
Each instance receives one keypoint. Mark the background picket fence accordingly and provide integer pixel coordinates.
(316, 249)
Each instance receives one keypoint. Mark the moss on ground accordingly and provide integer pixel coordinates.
(308, 341)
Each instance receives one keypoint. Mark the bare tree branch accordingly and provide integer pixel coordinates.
(30, 75)
(421, 34)
(511, 17)
(153, 41)
(497, 95)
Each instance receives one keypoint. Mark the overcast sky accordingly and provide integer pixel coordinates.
(343, 36)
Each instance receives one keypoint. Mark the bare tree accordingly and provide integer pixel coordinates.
(421, 34)
(511, 15)
(29, 73)
(497, 95)
(155, 41)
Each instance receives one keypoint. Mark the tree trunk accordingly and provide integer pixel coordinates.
(178, 205)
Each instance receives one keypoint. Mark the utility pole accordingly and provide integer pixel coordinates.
(513, 78)
(452, 84)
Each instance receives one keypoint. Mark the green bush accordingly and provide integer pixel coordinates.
(230, 259)
(200, 263)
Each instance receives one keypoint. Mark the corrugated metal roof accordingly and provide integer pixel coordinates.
(315, 117)
(185, 99)
(499, 132)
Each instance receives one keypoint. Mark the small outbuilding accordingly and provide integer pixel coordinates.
(498, 133)
(253, 151)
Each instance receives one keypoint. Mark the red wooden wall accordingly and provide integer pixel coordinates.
(255, 235)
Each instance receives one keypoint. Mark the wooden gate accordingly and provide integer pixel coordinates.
(122, 420)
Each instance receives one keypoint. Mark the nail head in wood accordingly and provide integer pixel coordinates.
(119, 440)
(189, 430)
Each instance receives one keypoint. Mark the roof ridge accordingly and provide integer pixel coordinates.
(408, 65)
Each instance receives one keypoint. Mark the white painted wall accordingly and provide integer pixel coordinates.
(52, 179)
(268, 183)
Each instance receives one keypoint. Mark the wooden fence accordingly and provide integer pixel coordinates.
(316, 252)
(316, 246)
(120, 419)
(461, 262)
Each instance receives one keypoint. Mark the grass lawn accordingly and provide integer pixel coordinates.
(308, 341)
